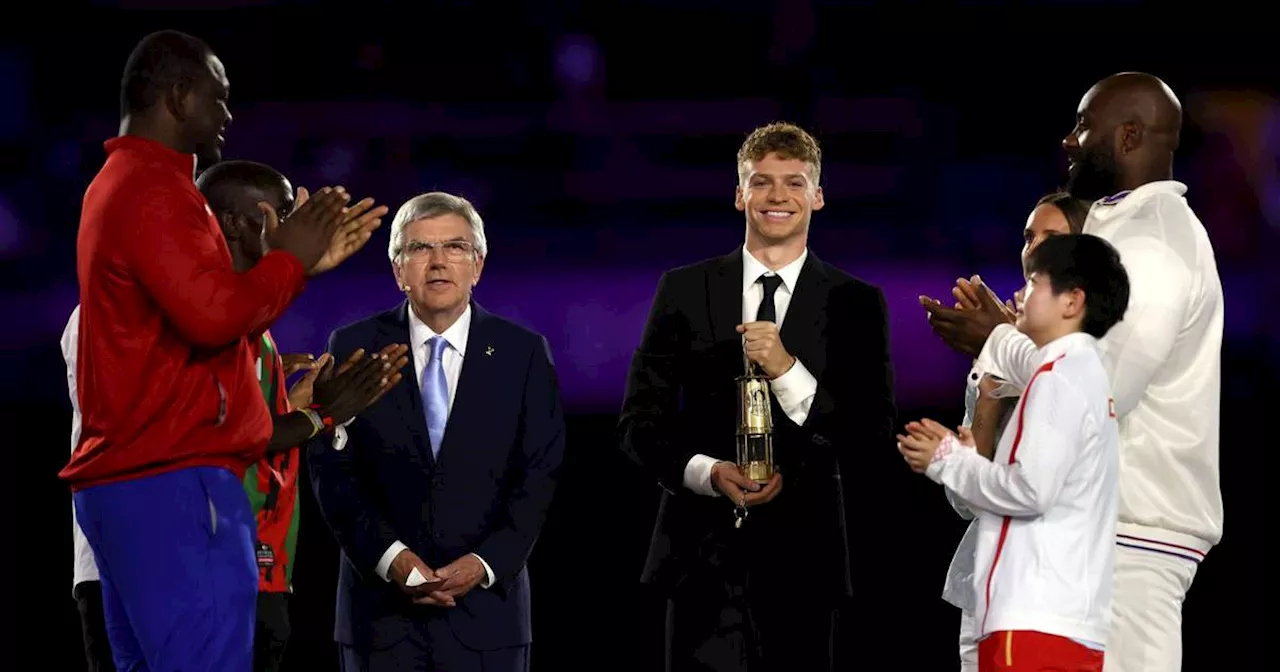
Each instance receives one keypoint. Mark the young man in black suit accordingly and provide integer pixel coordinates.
(821, 336)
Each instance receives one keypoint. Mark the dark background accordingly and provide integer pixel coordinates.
(597, 140)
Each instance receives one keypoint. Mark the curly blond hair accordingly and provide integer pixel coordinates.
(786, 140)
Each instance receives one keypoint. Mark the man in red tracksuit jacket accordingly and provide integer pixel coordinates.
(172, 410)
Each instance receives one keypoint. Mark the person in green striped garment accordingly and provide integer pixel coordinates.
(320, 400)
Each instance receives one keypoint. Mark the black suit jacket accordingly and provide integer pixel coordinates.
(487, 492)
(681, 400)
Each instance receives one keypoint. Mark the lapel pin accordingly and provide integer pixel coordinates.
(489, 351)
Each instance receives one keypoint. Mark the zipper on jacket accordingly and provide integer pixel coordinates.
(222, 403)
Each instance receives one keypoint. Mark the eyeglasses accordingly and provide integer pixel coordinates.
(454, 250)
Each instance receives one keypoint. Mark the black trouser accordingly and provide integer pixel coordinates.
(272, 632)
(730, 633)
(744, 609)
(93, 626)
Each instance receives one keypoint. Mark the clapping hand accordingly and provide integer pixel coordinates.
(301, 393)
(923, 444)
(978, 312)
(359, 382)
(295, 362)
(323, 231)
(307, 233)
(361, 220)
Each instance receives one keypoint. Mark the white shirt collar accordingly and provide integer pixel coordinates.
(1065, 344)
(752, 269)
(1105, 208)
(456, 334)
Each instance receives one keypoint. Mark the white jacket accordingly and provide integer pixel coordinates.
(1164, 363)
(958, 588)
(1047, 503)
(84, 567)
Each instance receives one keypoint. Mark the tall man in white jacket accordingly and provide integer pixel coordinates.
(1046, 503)
(1164, 360)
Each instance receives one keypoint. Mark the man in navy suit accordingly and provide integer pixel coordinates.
(437, 492)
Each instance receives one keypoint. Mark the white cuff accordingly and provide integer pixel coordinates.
(795, 391)
(384, 565)
(986, 361)
(697, 475)
(985, 367)
(488, 572)
(950, 447)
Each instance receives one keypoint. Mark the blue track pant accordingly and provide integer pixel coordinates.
(179, 580)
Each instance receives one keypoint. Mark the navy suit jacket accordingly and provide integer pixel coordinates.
(486, 492)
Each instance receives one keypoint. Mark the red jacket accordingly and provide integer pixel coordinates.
(166, 379)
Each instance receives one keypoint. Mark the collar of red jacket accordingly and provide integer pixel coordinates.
(185, 163)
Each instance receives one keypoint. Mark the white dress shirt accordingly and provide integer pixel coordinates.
(1046, 503)
(794, 389)
(451, 360)
(85, 568)
(1164, 362)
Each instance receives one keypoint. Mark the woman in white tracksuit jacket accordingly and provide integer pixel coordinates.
(989, 402)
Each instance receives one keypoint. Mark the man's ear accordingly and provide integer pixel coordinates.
(232, 225)
(175, 100)
(1131, 133)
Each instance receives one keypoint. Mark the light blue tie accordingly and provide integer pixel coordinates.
(435, 394)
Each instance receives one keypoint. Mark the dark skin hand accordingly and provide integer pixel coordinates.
(358, 384)
(302, 391)
(296, 362)
(309, 231)
(966, 329)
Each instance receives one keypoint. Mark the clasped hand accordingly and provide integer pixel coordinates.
(444, 586)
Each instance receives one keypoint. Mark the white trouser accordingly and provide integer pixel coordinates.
(968, 642)
(1146, 611)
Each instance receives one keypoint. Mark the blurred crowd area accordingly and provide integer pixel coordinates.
(603, 138)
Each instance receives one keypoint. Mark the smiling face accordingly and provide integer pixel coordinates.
(205, 115)
(1093, 171)
(438, 265)
(778, 196)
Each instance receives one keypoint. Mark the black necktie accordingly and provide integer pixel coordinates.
(768, 312)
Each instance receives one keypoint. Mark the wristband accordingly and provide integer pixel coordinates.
(317, 425)
(325, 420)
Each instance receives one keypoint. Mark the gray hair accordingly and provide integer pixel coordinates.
(436, 204)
